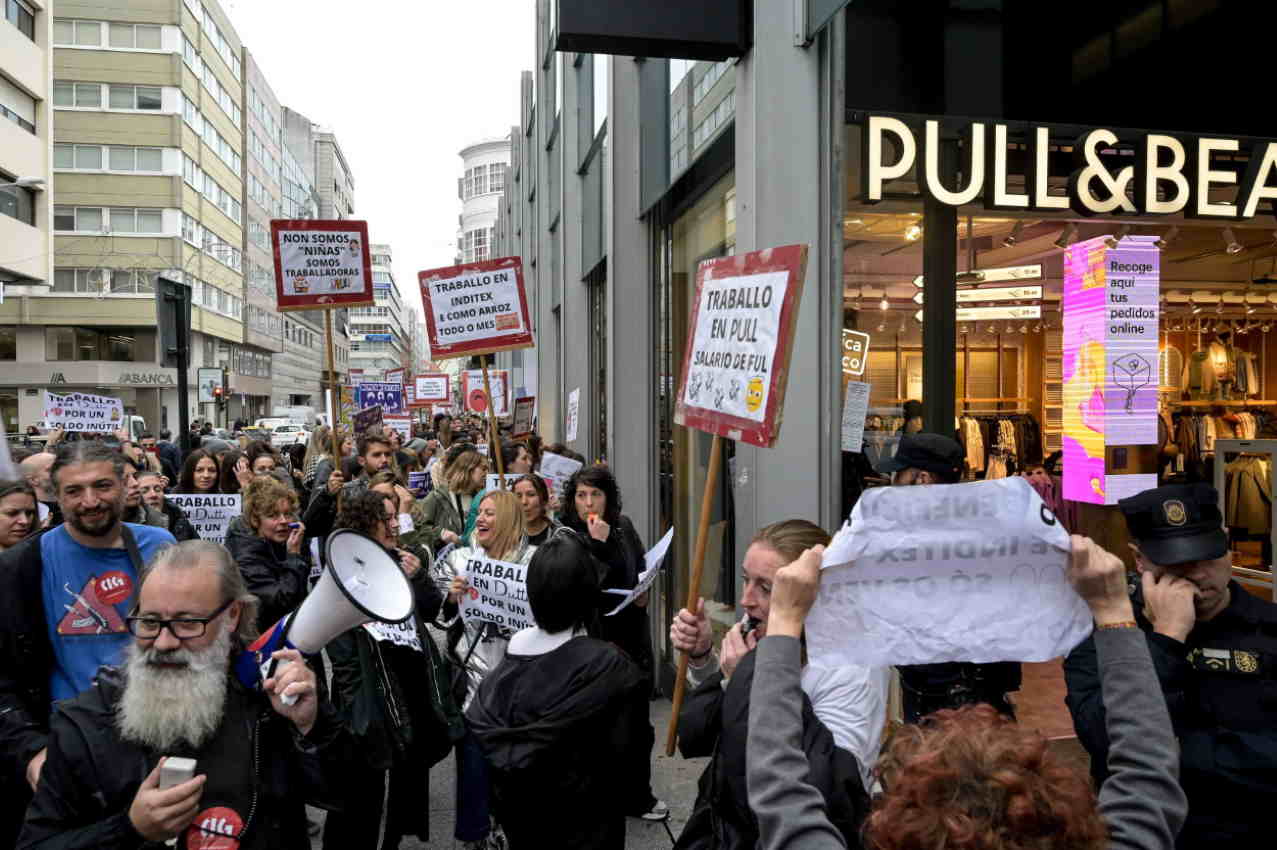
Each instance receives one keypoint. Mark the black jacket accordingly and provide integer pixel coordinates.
(171, 461)
(92, 774)
(621, 558)
(715, 722)
(278, 579)
(26, 657)
(1221, 690)
(178, 525)
(554, 729)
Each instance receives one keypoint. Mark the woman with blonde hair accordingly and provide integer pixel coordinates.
(266, 541)
(445, 507)
(478, 647)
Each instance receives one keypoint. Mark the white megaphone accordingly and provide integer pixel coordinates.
(361, 583)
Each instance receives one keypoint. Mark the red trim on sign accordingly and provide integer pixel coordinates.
(496, 342)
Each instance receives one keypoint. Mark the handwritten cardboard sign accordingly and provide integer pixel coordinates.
(476, 398)
(209, 513)
(736, 364)
(83, 412)
(321, 265)
(947, 572)
(476, 308)
(498, 594)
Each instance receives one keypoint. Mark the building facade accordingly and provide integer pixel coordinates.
(26, 150)
(479, 188)
(628, 171)
(380, 339)
(168, 154)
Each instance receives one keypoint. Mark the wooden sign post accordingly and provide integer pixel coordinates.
(735, 372)
(322, 265)
(478, 309)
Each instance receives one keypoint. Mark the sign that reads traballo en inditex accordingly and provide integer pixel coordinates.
(1169, 174)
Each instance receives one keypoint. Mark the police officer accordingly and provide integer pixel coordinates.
(1215, 650)
(926, 688)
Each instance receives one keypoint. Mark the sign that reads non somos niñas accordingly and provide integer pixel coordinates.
(321, 264)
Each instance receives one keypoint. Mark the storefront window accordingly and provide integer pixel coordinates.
(705, 231)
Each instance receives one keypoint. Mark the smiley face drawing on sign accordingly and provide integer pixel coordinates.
(754, 395)
(478, 401)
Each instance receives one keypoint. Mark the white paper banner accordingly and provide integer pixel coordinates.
(958, 572)
(574, 413)
(400, 634)
(557, 469)
(498, 594)
(854, 408)
(210, 513)
(652, 562)
(83, 412)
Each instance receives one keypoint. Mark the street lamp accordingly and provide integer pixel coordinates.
(25, 183)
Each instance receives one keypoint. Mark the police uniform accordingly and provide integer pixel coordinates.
(1220, 684)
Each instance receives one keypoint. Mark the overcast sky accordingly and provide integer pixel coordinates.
(405, 85)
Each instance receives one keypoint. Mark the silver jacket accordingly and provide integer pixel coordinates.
(488, 639)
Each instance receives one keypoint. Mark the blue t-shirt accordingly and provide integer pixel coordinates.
(87, 594)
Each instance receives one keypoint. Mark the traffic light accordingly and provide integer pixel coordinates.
(219, 395)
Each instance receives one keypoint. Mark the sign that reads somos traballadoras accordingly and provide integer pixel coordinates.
(476, 308)
(736, 364)
(321, 264)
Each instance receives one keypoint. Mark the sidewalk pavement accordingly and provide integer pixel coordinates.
(673, 780)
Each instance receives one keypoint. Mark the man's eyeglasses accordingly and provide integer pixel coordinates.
(182, 628)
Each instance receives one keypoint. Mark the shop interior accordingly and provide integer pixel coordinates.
(1217, 370)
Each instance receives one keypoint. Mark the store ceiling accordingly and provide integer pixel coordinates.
(879, 259)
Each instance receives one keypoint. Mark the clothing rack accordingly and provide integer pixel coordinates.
(1202, 403)
(1260, 447)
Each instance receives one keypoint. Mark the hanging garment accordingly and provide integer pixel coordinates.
(1198, 379)
(1248, 498)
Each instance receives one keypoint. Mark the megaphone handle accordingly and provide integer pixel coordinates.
(273, 665)
(286, 699)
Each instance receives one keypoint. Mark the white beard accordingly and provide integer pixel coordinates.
(161, 708)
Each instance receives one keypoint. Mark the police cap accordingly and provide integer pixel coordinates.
(1177, 524)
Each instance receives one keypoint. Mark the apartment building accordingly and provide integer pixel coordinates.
(378, 335)
(26, 133)
(484, 167)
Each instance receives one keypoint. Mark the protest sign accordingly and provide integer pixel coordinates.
(395, 376)
(366, 418)
(557, 469)
(419, 482)
(388, 396)
(402, 424)
(321, 264)
(524, 411)
(83, 412)
(432, 387)
(854, 408)
(498, 594)
(400, 634)
(476, 308)
(574, 413)
(356, 376)
(436, 409)
(409, 395)
(346, 406)
(210, 513)
(652, 563)
(736, 364)
(476, 398)
(951, 572)
(494, 482)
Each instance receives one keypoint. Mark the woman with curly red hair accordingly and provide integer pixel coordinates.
(968, 779)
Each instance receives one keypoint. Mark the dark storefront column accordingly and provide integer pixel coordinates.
(940, 304)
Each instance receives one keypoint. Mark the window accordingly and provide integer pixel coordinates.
(84, 95)
(77, 33)
(17, 201)
(134, 36)
(600, 91)
(73, 344)
(8, 343)
(496, 177)
(136, 97)
(21, 16)
(16, 105)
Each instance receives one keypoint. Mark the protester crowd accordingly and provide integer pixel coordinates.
(120, 629)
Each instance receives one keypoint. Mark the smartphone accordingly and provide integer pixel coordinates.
(175, 771)
(750, 624)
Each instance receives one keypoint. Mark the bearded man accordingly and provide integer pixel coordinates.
(64, 595)
(258, 760)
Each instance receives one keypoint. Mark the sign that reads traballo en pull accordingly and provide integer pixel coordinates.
(321, 264)
(736, 364)
(476, 308)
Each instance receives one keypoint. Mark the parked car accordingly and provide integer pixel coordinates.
(287, 435)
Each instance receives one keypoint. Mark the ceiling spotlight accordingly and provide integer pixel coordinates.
(913, 232)
(1014, 236)
(1192, 301)
(1231, 245)
(1167, 238)
(883, 305)
(917, 297)
(993, 328)
(1266, 327)
(962, 328)
(917, 317)
(1067, 235)
(1112, 241)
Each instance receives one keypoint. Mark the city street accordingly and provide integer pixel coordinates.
(673, 780)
